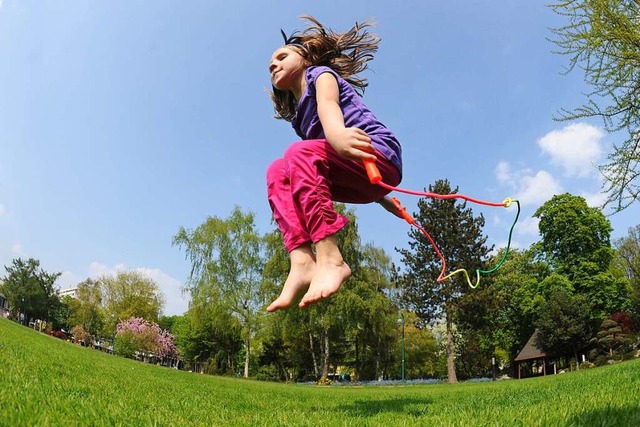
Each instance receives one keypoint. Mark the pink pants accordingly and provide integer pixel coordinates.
(303, 185)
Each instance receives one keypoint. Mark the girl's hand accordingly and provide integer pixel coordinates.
(352, 144)
(387, 203)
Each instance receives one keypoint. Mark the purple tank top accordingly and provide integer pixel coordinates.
(356, 114)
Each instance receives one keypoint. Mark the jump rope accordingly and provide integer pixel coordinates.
(376, 178)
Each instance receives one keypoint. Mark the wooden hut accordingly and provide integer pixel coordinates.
(534, 356)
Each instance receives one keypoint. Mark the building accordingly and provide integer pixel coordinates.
(535, 361)
(72, 292)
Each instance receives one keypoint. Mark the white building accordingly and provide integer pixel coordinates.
(72, 292)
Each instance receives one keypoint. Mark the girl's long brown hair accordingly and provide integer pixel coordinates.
(345, 53)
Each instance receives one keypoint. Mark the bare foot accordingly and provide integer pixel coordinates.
(297, 282)
(326, 281)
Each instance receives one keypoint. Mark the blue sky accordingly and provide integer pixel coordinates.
(121, 121)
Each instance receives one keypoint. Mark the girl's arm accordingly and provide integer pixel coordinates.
(350, 143)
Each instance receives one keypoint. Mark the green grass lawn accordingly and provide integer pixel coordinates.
(48, 382)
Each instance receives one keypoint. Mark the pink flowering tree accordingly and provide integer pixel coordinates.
(137, 334)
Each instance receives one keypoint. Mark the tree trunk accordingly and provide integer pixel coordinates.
(451, 364)
(313, 356)
(356, 371)
(325, 356)
(247, 355)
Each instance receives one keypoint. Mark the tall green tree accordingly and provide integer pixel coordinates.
(30, 289)
(87, 309)
(209, 336)
(499, 316)
(355, 329)
(62, 313)
(331, 322)
(368, 316)
(628, 261)
(227, 254)
(601, 37)
(459, 237)
(424, 358)
(127, 294)
(574, 233)
(287, 333)
(576, 242)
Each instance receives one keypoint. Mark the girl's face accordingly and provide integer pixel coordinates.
(286, 69)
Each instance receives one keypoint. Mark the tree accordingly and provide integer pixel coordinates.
(423, 357)
(602, 38)
(564, 325)
(355, 329)
(226, 254)
(62, 314)
(86, 308)
(209, 335)
(628, 261)
(576, 242)
(369, 317)
(500, 315)
(611, 338)
(168, 322)
(459, 236)
(574, 233)
(129, 294)
(137, 334)
(30, 290)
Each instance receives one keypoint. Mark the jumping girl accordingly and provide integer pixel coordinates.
(315, 87)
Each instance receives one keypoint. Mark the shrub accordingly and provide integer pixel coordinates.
(600, 360)
(125, 344)
(324, 381)
(268, 373)
(137, 334)
(59, 334)
(80, 336)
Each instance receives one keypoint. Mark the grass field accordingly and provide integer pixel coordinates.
(48, 382)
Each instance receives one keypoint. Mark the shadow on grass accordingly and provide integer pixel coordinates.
(605, 417)
(369, 408)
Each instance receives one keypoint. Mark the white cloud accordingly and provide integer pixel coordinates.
(528, 226)
(2, 208)
(575, 148)
(525, 233)
(17, 250)
(503, 173)
(595, 200)
(97, 269)
(67, 280)
(530, 188)
(538, 188)
(175, 302)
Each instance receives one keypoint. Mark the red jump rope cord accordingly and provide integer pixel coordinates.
(376, 178)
